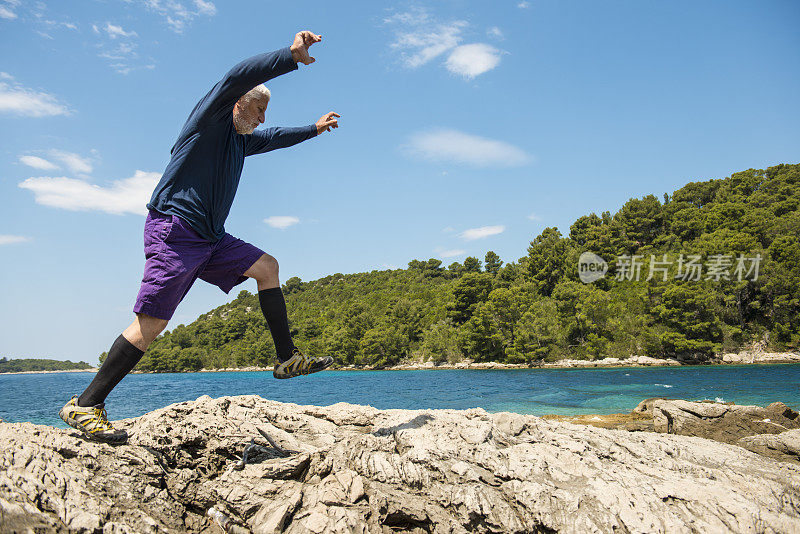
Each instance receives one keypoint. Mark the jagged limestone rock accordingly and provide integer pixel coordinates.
(783, 444)
(346, 468)
(729, 423)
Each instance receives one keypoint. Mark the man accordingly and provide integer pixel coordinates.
(184, 234)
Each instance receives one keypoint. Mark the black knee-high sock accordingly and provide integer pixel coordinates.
(122, 357)
(274, 308)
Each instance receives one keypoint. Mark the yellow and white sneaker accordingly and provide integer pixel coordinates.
(92, 421)
(300, 364)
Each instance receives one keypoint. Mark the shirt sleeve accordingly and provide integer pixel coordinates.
(218, 103)
(261, 141)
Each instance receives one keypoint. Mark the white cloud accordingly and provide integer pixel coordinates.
(58, 24)
(74, 162)
(6, 239)
(448, 230)
(177, 15)
(420, 38)
(420, 47)
(446, 145)
(177, 24)
(414, 16)
(496, 32)
(282, 222)
(7, 14)
(115, 31)
(452, 253)
(33, 12)
(5, 76)
(205, 8)
(479, 233)
(20, 100)
(524, 5)
(123, 58)
(118, 46)
(121, 68)
(120, 52)
(534, 217)
(38, 163)
(121, 196)
(473, 60)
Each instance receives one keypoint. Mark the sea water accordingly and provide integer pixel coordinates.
(38, 397)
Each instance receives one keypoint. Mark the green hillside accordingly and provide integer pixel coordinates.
(536, 308)
(35, 364)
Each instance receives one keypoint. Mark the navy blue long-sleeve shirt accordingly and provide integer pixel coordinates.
(201, 179)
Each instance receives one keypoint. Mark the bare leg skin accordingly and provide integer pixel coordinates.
(143, 330)
(265, 272)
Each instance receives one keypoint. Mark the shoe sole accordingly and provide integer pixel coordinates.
(88, 435)
(285, 376)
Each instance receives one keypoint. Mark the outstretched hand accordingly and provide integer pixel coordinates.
(327, 122)
(302, 42)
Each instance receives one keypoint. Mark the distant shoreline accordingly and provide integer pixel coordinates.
(745, 358)
(606, 363)
(87, 370)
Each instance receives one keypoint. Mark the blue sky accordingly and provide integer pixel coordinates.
(466, 127)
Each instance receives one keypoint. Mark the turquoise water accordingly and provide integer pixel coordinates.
(38, 397)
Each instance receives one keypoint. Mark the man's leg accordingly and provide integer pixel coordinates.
(231, 263)
(123, 356)
(273, 306)
(87, 413)
(173, 256)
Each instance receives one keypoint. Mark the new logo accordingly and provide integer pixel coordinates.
(591, 267)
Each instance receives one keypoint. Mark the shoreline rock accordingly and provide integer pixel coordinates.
(87, 370)
(633, 361)
(743, 358)
(772, 431)
(348, 468)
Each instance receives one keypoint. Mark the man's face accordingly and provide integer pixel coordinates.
(249, 114)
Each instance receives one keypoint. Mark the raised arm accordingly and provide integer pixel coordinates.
(261, 141)
(253, 71)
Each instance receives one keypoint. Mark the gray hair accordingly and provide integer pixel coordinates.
(259, 92)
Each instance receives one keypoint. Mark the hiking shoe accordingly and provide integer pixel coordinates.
(300, 364)
(92, 421)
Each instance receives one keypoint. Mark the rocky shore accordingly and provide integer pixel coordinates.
(755, 357)
(743, 358)
(87, 370)
(347, 468)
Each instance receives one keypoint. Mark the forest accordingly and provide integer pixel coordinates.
(20, 365)
(713, 267)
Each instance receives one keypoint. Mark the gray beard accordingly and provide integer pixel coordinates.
(241, 125)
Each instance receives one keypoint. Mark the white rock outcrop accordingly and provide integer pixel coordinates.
(347, 468)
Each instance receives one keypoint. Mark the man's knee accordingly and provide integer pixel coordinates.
(271, 264)
(265, 268)
(151, 325)
(143, 330)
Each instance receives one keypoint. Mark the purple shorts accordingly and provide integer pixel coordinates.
(176, 256)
